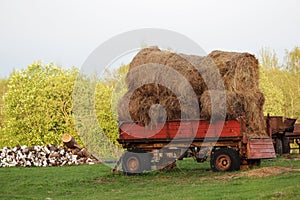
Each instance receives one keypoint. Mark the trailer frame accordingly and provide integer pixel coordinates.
(224, 142)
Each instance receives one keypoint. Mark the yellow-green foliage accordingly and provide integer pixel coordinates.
(38, 106)
(274, 99)
(281, 83)
(3, 90)
(109, 90)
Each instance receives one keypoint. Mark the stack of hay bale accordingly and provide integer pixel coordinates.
(239, 72)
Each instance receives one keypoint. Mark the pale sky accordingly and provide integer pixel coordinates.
(67, 31)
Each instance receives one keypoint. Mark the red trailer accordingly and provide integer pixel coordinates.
(284, 132)
(224, 142)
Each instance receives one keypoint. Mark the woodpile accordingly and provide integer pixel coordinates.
(43, 156)
(230, 75)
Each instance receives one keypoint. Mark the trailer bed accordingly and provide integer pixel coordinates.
(197, 130)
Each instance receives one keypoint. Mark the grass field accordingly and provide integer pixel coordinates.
(274, 179)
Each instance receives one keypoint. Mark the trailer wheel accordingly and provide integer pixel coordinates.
(134, 163)
(225, 159)
(286, 145)
(278, 146)
(131, 163)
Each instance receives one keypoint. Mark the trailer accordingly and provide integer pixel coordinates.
(283, 132)
(225, 142)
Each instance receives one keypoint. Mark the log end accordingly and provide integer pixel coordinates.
(66, 138)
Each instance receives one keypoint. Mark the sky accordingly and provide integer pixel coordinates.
(65, 32)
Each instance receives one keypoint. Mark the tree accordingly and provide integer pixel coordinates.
(3, 90)
(293, 64)
(38, 105)
(109, 90)
(45, 101)
(293, 61)
(280, 84)
(268, 59)
(95, 101)
(274, 99)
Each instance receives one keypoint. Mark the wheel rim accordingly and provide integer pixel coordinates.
(223, 162)
(133, 164)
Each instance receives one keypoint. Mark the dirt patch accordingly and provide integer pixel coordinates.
(266, 171)
(258, 173)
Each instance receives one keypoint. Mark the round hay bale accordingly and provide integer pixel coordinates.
(253, 105)
(248, 105)
(155, 56)
(240, 71)
(222, 60)
(142, 104)
(142, 57)
(246, 75)
(227, 105)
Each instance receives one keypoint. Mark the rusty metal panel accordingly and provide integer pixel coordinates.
(260, 148)
(289, 122)
(297, 128)
(276, 123)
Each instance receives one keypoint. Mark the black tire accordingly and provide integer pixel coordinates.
(278, 146)
(225, 159)
(146, 161)
(254, 163)
(134, 163)
(286, 145)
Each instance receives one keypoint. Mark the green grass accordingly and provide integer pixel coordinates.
(190, 180)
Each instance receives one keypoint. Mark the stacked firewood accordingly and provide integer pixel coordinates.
(43, 156)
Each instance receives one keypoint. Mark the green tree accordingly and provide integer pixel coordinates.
(38, 105)
(281, 82)
(274, 99)
(110, 88)
(3, 90)
(293, 64)
(293, 61)
(95, 103)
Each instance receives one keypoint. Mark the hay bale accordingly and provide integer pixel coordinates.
(253, 106)
(240, 71)
(143, 56)
(157, 57)
(140, 105)
(208, 71)
(248, 105)
(227, 105)
(146, 107)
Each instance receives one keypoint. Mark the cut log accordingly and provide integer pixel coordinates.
(84, 153)
(69, 141)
